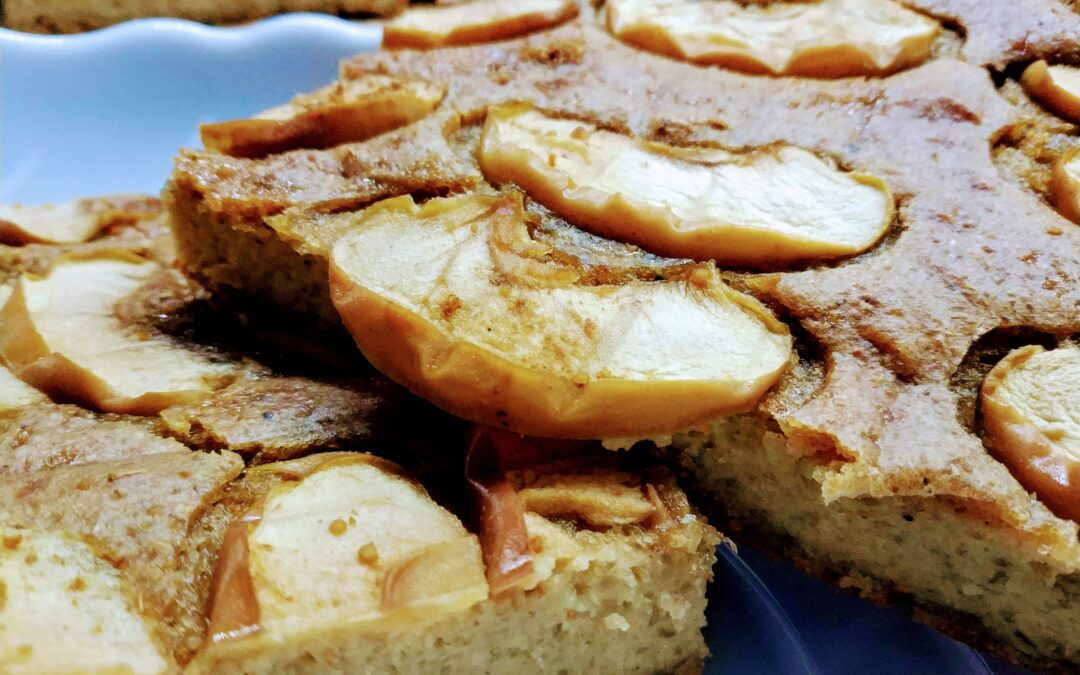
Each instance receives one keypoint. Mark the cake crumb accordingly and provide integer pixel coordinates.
(616, 621)
(675, 605)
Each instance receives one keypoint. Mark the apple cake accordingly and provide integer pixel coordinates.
(185, 490)
(819, 253)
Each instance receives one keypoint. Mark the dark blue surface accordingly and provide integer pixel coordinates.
(765, 616)
(105, 112)
(748, 630)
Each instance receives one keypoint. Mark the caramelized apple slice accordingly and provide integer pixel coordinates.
(477, 21)
(493, 456)
(499, 512)
(343, 112)
(73, 222)
(1056, 87)
(1065, 186)
(768, 207)
(62, 334)
(353, 546)
(234, 609)
(561, 479)
(441, 578)
(456, 302)
(827, 38)
(603, 497)
(327, 519)
(14, 393)
(62, 607)
(518, 480)
(1031, 411)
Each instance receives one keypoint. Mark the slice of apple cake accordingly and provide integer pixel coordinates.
(208, 505)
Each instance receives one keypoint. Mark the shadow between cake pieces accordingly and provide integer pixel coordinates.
(820, 254)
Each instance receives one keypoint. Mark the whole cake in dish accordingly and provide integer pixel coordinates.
(183, 490)
(819, 253)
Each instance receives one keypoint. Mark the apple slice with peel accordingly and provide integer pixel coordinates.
(14, 393)
(603, 497)
(347, 111)
(56, 586)
(513, 479)
(826, 38)
(454, 300)
(62, 334)
(1031, 412)
(73, 222)
(1065, 186)
(477, 21)
(352, 546)
(1056, 87)
(766, 207)
(558, 478)
(500, 515)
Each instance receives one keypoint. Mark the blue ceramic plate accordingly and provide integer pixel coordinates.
(105, 112)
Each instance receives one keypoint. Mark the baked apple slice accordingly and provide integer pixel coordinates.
(826, 38)
(1065, 186)
(765, 208)
(14, 393)
(1031, 412)
(346, 111)
(74, 222)
(53, 586)
(349, 546)
(454, 300)
(62, 334)
(477, 21)
(1056, 87)
(513, 479)
(500, 515)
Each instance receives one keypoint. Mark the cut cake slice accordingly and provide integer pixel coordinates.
(144, 544)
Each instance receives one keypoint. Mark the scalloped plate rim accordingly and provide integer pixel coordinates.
(146, 27)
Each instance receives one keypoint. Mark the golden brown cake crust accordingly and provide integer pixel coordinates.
(998, 33)
(416, 158)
